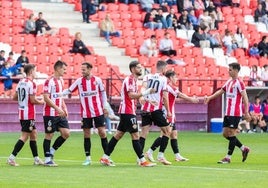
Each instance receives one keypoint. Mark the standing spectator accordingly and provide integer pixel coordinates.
(128, 120)
(30, 27)
(150, 20)
(146, 5)
(263, 46)
(107, 29)
(264, 75)
(260, 15)
(79, 46)
(241, 40)
(25, 95)
(233, 113)
(93, 101)
(255, 76)
(256, 112)
(229, 42)
(86, 9)
(22, 61)
(149, 47)
(173, 93)
(254, 51)
(166, 46)
(55, 113)
(42, 26)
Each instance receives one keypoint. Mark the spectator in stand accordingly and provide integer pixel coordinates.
(244, 122)
(265, 5)
(187, 5)
(146, 5)
(79, 46)
(86, 10)
(166, 46)
(30, 27)
(193, 19)
(128, 1)
(179, 4)
(265, 110)
(184, 22)
(263, 46)
(199, 7)
(149, 47)
(10, 58)
(107, 29)
(22, 61)
(255, 110)
(206, 20)
(264, 75)
(2, 58)
(229, 42)
(170, 17)
(260, 15)
(151, 22)
(214, 12)
(161, 18)
(198, 39)
(214, 39)
(241, 40)
(255, 76)
(42, 26)
(254, 51)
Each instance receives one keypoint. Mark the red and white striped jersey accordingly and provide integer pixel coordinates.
(92, 95)
(128, 105)
(159, 83)
(25, 89)
(54, 88)
(172, 95)
(233, 89)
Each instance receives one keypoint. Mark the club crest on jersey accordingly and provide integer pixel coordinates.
(49, 128)
(135, 126)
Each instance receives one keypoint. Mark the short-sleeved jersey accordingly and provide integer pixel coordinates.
(233, 89)
(256, 108)
(91, 92)
(54, 88)
(159, 83)
(172, 95)
(128, 105)
(265, 108)
(25, 89)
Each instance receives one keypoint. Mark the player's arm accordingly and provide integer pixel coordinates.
(64, 107)
(215, 95)
(246, 107)
(15, 97)
(166, 102)
(34, 100)
(50, 103)
(71, 89)
(187, 98)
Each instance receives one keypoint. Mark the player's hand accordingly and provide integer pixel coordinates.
(153, 102)
(169, 114)
(142, 100)
(152, 91)
(206, 99)
(195, 100)
(105, 113)
(62, 113)
(247, 117)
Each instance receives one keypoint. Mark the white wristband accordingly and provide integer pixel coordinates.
(66, 92)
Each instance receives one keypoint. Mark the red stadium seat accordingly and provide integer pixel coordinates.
(111, 7)
(122, 7)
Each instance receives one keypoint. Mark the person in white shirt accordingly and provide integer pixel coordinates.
(149, 47)
(240, 39)
(166, 46)
(264, 75)
(229, 42)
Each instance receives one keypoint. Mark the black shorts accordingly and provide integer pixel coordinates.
(231, 121)
(87, 123)
(265, 118)
(128, 123)
(53, 123)
(157, 117)
(27, 125)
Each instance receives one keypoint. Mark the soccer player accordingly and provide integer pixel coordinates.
(128, 121)
(173, 93)
(235, 93)
(93, 100)
(25, 95)
(152, 112)
(55, 113)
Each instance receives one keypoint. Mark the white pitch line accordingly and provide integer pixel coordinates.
(170, 166)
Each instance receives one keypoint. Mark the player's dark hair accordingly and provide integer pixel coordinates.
(28, 68)
(257, 97)
(235, 66)
(160, 64)
(88, 65)
(133, 64)
(170, 73)
(59, 64)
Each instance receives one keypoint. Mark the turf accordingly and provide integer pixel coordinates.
(203, 150)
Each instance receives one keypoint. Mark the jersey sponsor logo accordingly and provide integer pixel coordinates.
(87, 94)
(56, 95)
(230, 96)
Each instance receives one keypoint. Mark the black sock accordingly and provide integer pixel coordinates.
(137, 148)
(104, 143)
(232, 144)
(238, 143)
(110, 146)
(142, 143)
(264, 128)
(17, 147)
(164, 143)
(254, 126)
(33, 147)
(87, 146)
(156, 143)
(46, 147)
(58, 142)
(174, 145)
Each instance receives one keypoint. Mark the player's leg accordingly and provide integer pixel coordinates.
(100, 125)
(49, 127)
(87, 124)
(33, 146)
(156, 144)
(146, 122)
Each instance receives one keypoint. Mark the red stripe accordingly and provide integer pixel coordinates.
(84, 86)
(57, 101)
(94, 98)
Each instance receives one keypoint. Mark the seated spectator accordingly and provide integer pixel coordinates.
(198, 39)
(107, 29)
(213, 39)
(8, 71)
(263, 46)
(166, 46)
(128, 1)
(10, 58)
(150, 20)
(229, 42)
(245, 123)
(193, 19)
(206, 20)
(255, 76)
(214, 12)
(187, 5)
(79, 46)
(2, 58)
(170, 17)
(260, 15)
(146, 5)
(42, 26)
(184, 22)
(161, 18)
(22, 61)
(199, 7)
(265, 110)
(264, 75)
(255, 111)
(149, 47)
(241, 40)
(254, 51)
(30, 27)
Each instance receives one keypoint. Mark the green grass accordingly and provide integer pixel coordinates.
(203, 150)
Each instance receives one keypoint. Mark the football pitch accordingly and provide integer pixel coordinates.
(202, 170)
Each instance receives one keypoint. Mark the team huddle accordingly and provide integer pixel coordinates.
(157, 97)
